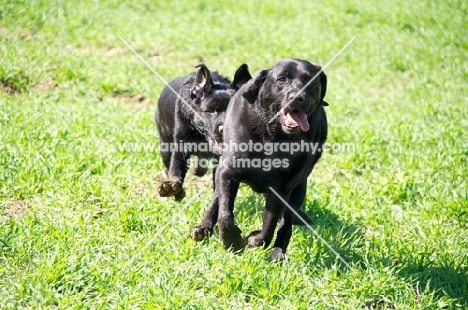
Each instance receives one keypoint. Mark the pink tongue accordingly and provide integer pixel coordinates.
(297, 119)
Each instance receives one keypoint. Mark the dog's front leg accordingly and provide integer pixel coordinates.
(178, 166)
(227, 186)
(271, 214)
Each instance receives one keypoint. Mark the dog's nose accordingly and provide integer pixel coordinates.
(296, 97)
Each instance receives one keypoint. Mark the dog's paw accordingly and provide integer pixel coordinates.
(171, 188)
(179, 195)
(255, 239)
(198, 171)
(200, 233)
(232, 239)
(236, 245)
(277, 255)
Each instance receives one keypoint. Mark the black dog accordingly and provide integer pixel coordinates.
(191, 111)
(284, 95)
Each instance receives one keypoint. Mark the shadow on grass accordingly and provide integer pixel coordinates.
(442, 277)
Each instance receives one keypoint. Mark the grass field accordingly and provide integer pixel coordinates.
(82, 227)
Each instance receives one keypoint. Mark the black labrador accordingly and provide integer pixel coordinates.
(190, 113)
(282, 106)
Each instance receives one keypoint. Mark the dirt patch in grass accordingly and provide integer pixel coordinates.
(135, 100)
(9, 87)
(152, 50)
(113, 51)
(107, 51)
(4, 33)
(14, 208)
(140, 100)
(9, 34)
(141, 190)
(45, 86)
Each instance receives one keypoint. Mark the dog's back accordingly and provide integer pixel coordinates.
(191, 110)
(178, 90)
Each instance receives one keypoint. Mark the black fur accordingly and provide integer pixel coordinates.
(247, 119)
(192, 109)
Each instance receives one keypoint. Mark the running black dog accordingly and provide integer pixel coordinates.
(190, 113)
(282, 105)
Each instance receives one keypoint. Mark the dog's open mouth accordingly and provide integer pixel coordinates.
(294, 119)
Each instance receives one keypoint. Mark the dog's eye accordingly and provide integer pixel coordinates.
(282, 79)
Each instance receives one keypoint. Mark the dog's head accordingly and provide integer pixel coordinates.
(210, 95)
(292, 90)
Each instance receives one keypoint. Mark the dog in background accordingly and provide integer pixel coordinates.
(191, 109)
(291, 94)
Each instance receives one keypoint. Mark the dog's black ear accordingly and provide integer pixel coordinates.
(251, 92)
(323, 88)
(203, 81)
(241, 77)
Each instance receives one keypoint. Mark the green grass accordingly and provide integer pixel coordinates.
(81, 226)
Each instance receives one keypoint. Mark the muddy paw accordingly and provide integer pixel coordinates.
(255, 239)
(231, 239)
(170, 188)
(277, 255)
(197, 171)
(179, 195)
(236, 245)
(200, 233)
